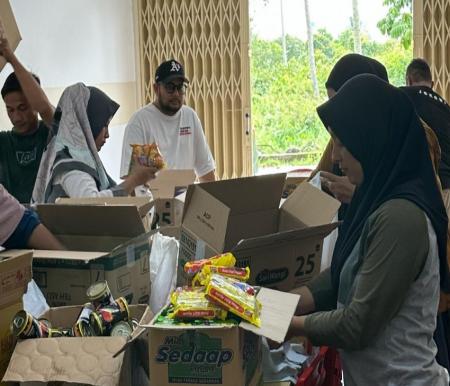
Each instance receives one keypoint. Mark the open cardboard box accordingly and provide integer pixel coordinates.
(104, 242)
(220, 354)
(15, 273)
(282, 245)
(167, 189)
(9, 23)
(99, 361)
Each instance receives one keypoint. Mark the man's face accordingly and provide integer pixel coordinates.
(170, 95)
(23, 118)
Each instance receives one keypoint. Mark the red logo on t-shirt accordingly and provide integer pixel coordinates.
(185, 130)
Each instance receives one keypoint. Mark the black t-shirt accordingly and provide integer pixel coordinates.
(20, 156)
(434, 110)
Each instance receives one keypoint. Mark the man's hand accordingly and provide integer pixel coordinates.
(340, 187)
(5, 48)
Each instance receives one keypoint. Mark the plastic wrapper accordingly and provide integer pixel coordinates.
(224, 260)
(188, 303)
(202, 278)
(146, 155)
(231, 295)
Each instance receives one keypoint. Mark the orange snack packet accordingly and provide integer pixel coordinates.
(147, 155)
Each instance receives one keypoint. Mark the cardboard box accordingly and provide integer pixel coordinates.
(99, 361)
(9, 23)
(221, 354)
(293, 180)
(15, 273)
(281, 245)
(105, 242)
(169, 182)
(154, 213)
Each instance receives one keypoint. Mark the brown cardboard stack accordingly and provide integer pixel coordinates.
(281, 245)
(105, 242)
(15, 273)
(98, 361)
(220, 354)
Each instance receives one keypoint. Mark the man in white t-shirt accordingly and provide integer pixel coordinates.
(172, 125)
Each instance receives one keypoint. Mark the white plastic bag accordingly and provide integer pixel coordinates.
(163, 270)
(330, 241)
(34, 301)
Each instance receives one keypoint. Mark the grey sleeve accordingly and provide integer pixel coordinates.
(322, 291)
(392, 259)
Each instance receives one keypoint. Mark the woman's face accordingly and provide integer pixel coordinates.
(101, 138)
(348, 164)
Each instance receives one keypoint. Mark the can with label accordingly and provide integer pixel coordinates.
(121, 329)
(82, 326)
(103, 319)
(25, 326)
(60, 333)
(100, 295)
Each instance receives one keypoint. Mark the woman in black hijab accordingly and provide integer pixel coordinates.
(391, 251)
(345, 68)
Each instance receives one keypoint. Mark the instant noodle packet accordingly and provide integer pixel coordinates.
(202, 278)
(229, 294)
(223, 260)
(191, 304)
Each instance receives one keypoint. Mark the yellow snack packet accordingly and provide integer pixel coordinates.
(193, 304)
(202, 278)
(224, 260)
(147, 155)
(233, 295)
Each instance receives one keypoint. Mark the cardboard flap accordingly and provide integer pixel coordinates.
(15, 273)
(93, 220)
(144, 204)
(250, 194)
(9, 23)
(85, 361)
(68, 255)
(167, 182)
(287, 236)
(278, 308)
(206, 216)
(310, 205)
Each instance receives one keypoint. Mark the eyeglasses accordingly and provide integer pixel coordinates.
(171, 87)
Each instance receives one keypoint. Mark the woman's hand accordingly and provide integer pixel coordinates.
(339, 186)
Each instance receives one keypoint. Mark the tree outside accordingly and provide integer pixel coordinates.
(287, 129)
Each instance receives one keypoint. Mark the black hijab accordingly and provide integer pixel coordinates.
(351, 65)
(100, 109)
(377, 123)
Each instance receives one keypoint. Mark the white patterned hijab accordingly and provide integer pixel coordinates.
(72, 147)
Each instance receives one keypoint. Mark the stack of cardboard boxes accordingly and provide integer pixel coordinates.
(111, 240)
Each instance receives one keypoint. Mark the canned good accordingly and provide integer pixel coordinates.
(100, 295)
(60, 333)
(104, 318)
(24, 326)
(45, 326)
(134, 324)
(82, 328)
(123, 307)
(121, 329)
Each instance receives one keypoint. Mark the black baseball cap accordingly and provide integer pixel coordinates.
(169, 70)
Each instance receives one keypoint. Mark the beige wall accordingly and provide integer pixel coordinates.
(90, 41)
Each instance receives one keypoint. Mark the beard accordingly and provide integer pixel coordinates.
(167, 107)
